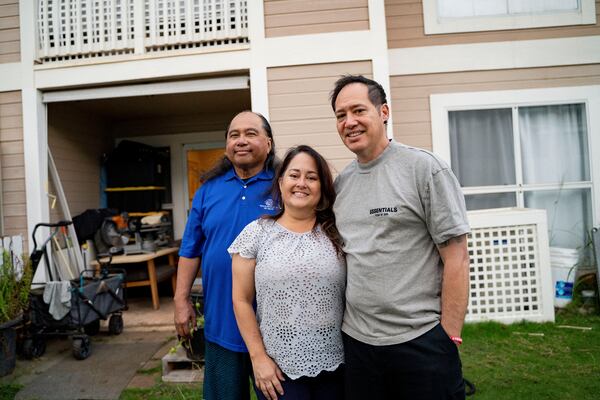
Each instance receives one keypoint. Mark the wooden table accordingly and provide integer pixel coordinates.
(148, 258)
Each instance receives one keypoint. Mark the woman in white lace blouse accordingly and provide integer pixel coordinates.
(292, 263)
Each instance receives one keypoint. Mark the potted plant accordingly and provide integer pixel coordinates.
(14, 299)
(194, 344)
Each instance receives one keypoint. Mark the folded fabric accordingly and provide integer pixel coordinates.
(154, 219)
(58, 296)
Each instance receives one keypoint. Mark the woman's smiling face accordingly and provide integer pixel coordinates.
(300, 185)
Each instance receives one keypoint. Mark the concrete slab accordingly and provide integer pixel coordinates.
(115, 360)
(101, 376)
(142, 317)
(142, 381)
(177, 367)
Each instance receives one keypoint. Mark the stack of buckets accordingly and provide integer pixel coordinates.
(564, 267)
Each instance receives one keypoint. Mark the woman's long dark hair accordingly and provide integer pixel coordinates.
(223, 165)
(324, 210)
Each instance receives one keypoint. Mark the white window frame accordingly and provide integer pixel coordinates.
(434, 24)
(442, 104)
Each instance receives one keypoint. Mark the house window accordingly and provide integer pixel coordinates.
(532, 156)
(531, 149)
(477, 8)
(446, 16)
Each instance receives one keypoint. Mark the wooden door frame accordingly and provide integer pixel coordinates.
(186, 148)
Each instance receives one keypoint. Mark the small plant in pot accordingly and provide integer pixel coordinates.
(194, 344)
(14, 300)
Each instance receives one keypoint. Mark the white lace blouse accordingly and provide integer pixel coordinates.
(300, 283)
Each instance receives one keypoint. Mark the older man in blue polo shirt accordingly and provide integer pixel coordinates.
(234, 192)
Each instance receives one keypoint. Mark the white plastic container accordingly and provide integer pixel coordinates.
(564, 268)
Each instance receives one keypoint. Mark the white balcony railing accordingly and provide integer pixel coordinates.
(74, 29)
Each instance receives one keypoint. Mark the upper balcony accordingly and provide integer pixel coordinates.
(84, 29)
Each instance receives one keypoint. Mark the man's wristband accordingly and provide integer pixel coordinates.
(456, 339)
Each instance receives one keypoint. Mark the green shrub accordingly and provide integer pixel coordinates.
(14, 293)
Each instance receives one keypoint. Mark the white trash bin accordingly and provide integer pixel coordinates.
(564, 268)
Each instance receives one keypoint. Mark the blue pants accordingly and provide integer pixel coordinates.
(425, 368)
(226, 374)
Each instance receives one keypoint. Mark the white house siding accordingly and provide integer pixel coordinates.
(300, 110)
(9, 31)
(302, 17)
(77, 140)
(404, 20)
(410, 93)
(12, 164)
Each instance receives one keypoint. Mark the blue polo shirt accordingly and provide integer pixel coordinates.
(221, 208)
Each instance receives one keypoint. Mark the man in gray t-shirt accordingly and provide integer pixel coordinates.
(401, 214)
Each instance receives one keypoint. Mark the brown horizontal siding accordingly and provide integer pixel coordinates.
(301, 17)
(10, 45)
(299, 107)
(405, 28)
(12, 165)
(16, 225)
(410, 93)
(77, 140)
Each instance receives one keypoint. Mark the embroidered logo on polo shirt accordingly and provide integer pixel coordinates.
(269, 205)
(383, 211)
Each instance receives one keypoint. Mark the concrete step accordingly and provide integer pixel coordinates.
(177, 367)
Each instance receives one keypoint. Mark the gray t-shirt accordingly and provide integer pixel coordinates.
(391, 212)
(300, 281)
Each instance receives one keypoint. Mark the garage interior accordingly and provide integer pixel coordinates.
(189, 127)
(82, 132)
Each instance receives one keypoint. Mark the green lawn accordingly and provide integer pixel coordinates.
(9, 391)
(164, 391)
(520, 361)
(534, 361)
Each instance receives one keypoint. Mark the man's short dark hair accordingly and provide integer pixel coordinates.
(376, 92)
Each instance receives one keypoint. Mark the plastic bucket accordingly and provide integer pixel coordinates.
(564, 268)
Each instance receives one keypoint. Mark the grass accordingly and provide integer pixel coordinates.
(164, 391)
(534, 361)
(168, 391)
(520, 361)
(9, 391)
(150, 371)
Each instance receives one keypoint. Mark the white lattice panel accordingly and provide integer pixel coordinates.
(177, 24)
(510, 277)
(84, 28)
(73, 29)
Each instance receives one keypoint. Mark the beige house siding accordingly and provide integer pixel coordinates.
(299, 107)
(404, 20)
(410, 93)
(10, 46)
(12, 165)
(301, 17)
(77, 141)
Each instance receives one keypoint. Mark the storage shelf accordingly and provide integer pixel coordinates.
(134, 188)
